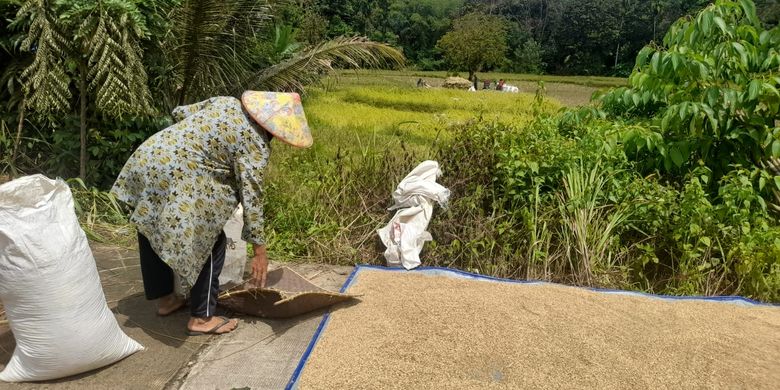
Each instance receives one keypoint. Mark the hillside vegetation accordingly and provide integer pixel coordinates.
(667, 185)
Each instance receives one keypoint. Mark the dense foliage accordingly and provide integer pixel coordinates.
(709, 93)
(114, 69)
(542, 204)
(555, 36)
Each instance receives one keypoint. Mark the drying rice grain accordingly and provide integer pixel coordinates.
(414, 331)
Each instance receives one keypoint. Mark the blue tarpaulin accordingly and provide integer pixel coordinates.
(446, 272)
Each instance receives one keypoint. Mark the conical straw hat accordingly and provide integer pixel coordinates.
(281, 114)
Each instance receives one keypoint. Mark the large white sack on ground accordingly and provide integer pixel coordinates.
(405, 234)
(50, 287)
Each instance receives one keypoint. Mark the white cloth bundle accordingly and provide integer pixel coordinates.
(405, 234)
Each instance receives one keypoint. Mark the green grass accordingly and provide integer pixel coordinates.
(588, 81)
(350, 115)
(569, 91)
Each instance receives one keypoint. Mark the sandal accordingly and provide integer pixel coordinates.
(213, 330)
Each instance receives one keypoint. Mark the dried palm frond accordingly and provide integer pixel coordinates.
(117, 76)
(100, 35)
(309, 65)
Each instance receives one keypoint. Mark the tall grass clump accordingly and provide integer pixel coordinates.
(588, 225)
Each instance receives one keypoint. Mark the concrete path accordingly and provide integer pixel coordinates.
(261, 354)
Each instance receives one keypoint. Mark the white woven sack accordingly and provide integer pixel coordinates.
(405, 234)
(50, 287)
(235, 253)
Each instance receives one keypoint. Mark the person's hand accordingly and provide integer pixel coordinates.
(259, 266)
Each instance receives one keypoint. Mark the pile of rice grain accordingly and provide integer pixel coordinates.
(414, 331)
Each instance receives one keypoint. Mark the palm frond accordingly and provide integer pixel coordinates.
(45, 82)
(117, 75)
(211, 45)
(311, 64)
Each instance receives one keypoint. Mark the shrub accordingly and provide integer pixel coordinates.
(538, 201)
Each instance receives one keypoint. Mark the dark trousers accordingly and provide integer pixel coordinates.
(158, 277)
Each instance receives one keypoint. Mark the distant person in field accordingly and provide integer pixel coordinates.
(183, 184)
(486, 83)
(500, 85)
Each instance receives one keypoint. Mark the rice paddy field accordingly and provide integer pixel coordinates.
(355, 110)
(376, 109)
(568, 90)
(588, 81)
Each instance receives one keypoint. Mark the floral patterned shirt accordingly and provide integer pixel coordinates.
(184, 182)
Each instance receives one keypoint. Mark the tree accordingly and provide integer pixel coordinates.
(709, 94)
(475, 42)
(94, 44)
(528, 58)
(587, 41)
